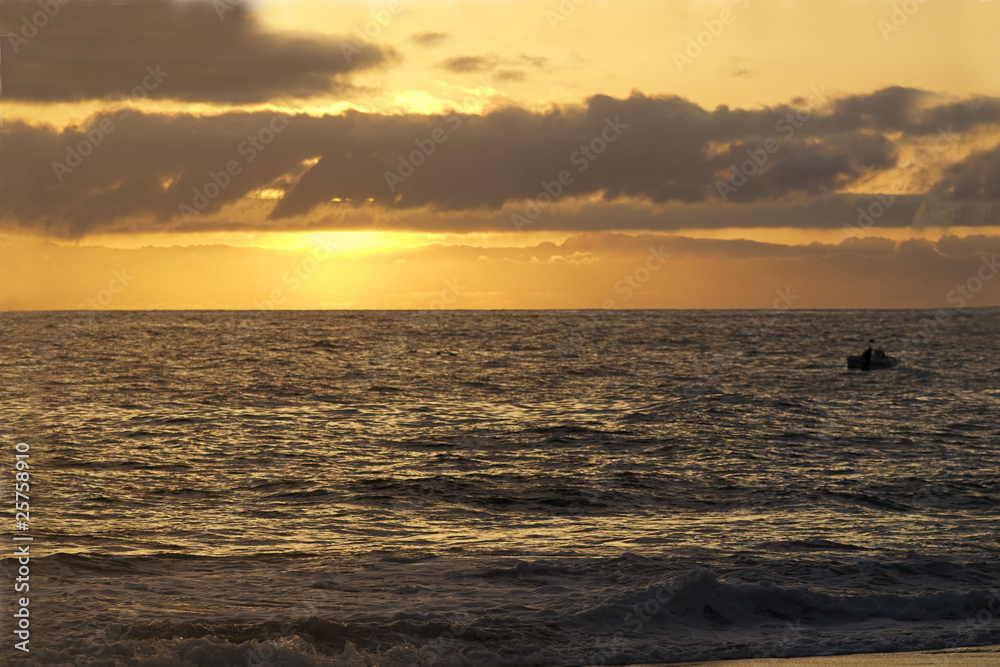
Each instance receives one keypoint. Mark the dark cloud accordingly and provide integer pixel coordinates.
(977, 177)
(99, 49)
(487, 63)
(529, 60)
(430, 38)
(959, 246)
(898, 109)
(662, 159)
(801, 165)
(506, 75)
(467, 64)
(893, 108)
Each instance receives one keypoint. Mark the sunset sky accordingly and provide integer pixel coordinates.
(499, 154)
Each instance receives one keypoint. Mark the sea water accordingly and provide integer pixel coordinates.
(502, 488)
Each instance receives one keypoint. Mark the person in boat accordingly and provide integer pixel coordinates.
(866, 356)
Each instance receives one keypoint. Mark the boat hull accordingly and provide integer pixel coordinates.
(885, 362)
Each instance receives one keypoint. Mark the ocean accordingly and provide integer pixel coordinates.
(494, 488)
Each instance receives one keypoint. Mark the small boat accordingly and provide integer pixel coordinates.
(878, 360)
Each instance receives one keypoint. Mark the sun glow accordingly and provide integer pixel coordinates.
(352, 242)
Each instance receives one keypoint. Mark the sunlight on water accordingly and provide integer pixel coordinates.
(483, 474)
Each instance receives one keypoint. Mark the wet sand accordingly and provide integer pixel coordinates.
(977, 656)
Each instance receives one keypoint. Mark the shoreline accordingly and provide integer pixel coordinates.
(965, 656)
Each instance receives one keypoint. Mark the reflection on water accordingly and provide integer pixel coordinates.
(660, 446)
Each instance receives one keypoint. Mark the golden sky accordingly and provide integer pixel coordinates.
(491, 154)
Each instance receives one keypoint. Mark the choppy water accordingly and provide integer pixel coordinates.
(503, 488)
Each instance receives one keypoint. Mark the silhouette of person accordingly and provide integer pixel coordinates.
(866, 356)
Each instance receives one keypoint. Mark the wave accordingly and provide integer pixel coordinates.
(700, 598)
(694, 616)
(808, 545)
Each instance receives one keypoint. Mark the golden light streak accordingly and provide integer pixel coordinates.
(267, 193)
(382, 241)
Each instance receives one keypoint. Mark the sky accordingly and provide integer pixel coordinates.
(299, 154)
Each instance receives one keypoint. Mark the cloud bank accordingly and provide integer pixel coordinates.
(640, 152)
(99, 49)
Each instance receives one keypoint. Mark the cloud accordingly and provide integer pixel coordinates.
(430, 38)
(894, 108)
(487, 63)
(507, 75)
(914, 112)
(976, 178)
(638, 163)
(98, 49)
(467, 64)
(809, 167)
